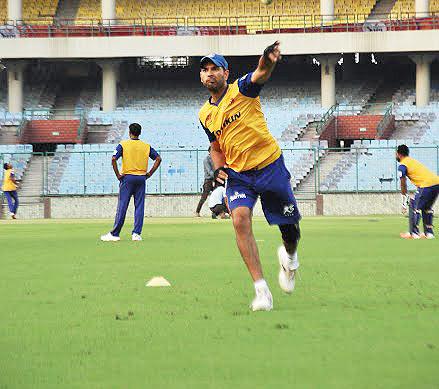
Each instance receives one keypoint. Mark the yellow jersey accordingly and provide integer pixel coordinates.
(417, 173)
(236, 121)
(8, 184)
(135, 154)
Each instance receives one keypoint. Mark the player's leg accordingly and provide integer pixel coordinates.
(242, 222)
(139, 207)
(426, 204)
(122, 207)
(280, 208)
(16, 202)
(241, 199)
(415, 214)
(10, 202)
(207, 188)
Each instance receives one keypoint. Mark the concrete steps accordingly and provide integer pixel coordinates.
(67, 9)
(326, 164)
(29, 191)
(8, 135)
(381, 10)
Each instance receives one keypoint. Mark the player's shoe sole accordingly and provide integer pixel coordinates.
(407, 235)
(287, 271)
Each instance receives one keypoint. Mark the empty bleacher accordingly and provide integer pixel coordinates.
(18, 155)
(406, 8)
(250, 12)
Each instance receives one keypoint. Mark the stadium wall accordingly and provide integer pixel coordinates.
(96, 207)
(242, 45)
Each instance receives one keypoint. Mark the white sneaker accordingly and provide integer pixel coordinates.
(288, 268)
(110, 238)
(263, 301)
(136, 237)
(429, 235)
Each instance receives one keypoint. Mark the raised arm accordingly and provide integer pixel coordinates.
(266, 64)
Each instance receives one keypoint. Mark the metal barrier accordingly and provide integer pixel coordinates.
(218, 25)
(362, 168)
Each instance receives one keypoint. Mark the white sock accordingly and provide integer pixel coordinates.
(260, 285)
(293, 258)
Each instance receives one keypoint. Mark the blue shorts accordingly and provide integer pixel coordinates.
(426, 197)
(272, 183)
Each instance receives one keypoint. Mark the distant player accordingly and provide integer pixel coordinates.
(208, 182)
(427, 184)
(9, 189)
(246, 155)
(135, 155)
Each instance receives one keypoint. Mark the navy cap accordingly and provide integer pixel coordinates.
(217, 59)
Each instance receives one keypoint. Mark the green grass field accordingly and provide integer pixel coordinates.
(75, 312)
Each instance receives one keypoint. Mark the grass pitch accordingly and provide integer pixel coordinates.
(75, 312)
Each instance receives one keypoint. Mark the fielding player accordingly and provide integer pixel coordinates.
(135, 155)
(427, 184)
(246, 155)
(9, 188)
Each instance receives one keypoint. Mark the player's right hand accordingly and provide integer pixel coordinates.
(220, 175)
(120, 177)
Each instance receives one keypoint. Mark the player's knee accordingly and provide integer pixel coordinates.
(241, 220)
(290, 233)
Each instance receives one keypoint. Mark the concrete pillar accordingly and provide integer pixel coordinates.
(108, 9)
(327, 67)
(110, 69)
(15, 85)
(422, 8)
(327, 10)
(15, 8)
(423, 62)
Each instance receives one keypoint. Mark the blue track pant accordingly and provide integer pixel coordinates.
(130, 185)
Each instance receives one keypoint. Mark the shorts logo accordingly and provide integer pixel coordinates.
(289, 210)
(237, 195)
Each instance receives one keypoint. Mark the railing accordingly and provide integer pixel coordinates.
(217, 25)
(82, 124)
(21, 127)
(385, 121)
(325, 119)
(367, 167)
(53, 114)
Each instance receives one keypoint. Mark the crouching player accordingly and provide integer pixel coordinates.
(427, 184)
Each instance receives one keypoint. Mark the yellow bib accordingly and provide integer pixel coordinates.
(8, 184)
(135, 157)
(240, 128)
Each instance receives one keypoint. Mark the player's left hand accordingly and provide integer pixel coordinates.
(272, 54)
(148, 175)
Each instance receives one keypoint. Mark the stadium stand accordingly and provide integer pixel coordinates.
(18, 155)
(405, 8)
(250, 10)
(3, 9)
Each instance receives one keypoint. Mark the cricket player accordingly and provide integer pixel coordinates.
(208, 182)
(247, 156)
(135, 155)
(9, 189)
(427, 184)
(217, 203)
